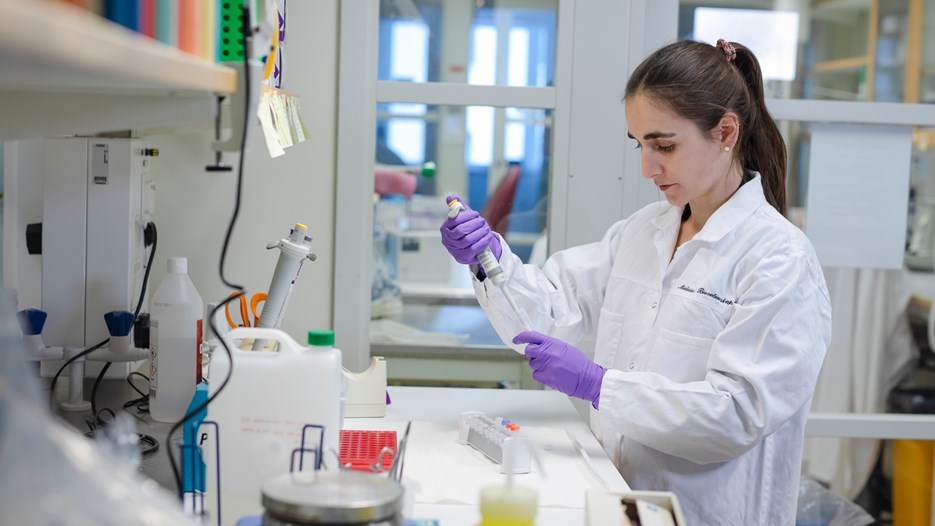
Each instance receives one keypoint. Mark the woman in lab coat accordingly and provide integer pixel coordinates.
(708, 313)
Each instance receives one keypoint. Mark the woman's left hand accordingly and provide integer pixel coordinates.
(562, 366)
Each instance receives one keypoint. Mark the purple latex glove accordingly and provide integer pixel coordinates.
(467, 234)
(562, 366)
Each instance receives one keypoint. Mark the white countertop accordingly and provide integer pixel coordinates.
(544, 413)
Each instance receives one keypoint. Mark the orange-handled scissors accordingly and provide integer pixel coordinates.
(244, 315)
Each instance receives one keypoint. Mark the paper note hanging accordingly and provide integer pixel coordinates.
(279, 117)
(298, 134)
(298, 114)
(270, 134)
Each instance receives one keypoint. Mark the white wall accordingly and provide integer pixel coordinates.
(604, 182)
(22, 272)
(193, 206)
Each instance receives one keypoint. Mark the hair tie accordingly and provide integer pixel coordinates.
(727, 48)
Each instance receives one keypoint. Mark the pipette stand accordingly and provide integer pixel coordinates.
(366, 391)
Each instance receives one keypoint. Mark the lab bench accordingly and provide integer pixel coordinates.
(544, 411)
(436, 411)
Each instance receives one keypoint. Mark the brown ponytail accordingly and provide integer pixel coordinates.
(700, 83)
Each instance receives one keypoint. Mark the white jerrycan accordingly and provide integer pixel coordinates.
(260, 415)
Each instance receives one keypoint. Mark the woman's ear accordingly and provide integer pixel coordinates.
(728, 130)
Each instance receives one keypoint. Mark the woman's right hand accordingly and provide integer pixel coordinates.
(467, 234)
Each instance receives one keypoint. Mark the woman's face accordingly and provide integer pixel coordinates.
(687, 165)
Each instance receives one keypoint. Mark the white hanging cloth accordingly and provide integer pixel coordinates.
(871, 348)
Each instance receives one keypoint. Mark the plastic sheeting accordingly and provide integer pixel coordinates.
(50, 474)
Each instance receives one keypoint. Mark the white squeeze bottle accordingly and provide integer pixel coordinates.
(176, 313)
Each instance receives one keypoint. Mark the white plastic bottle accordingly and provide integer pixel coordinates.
(262, 411)
(176, 313)
(323, 342)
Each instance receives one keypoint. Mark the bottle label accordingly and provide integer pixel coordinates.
(153, 357)
(489, 262)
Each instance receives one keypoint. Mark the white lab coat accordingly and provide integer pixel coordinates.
(712, 357)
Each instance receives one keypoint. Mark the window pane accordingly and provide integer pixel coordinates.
(518, 70)
(483, 68)
(921, 229)
(480, 122)
(403, 137)
(498, 43)
(831, 57)
(497, 160)
(515, 141)
(410, 54)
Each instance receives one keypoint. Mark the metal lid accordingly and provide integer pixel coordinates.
(332, 497)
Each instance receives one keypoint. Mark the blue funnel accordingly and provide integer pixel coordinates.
(31, 321)
(119, 322)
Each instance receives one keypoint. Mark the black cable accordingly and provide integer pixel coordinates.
(136, 313)
(105, 410)
(246, 33)
(149, 266)
(143, 376)
(152, 445)
(142, 403)
(97, 383)
(147, 444)
(66, 364)
(98, 422)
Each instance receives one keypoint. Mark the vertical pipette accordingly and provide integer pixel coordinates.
(493, 270)
(293, 251)
(516, 310)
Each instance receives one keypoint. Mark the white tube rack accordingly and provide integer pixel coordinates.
(491, 437)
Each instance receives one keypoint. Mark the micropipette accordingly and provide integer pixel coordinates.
(493, 270)
(294, 250)
(527, 326)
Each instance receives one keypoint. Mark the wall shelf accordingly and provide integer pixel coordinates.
(67, 70)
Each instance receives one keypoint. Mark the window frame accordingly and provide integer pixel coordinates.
(590, 166)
